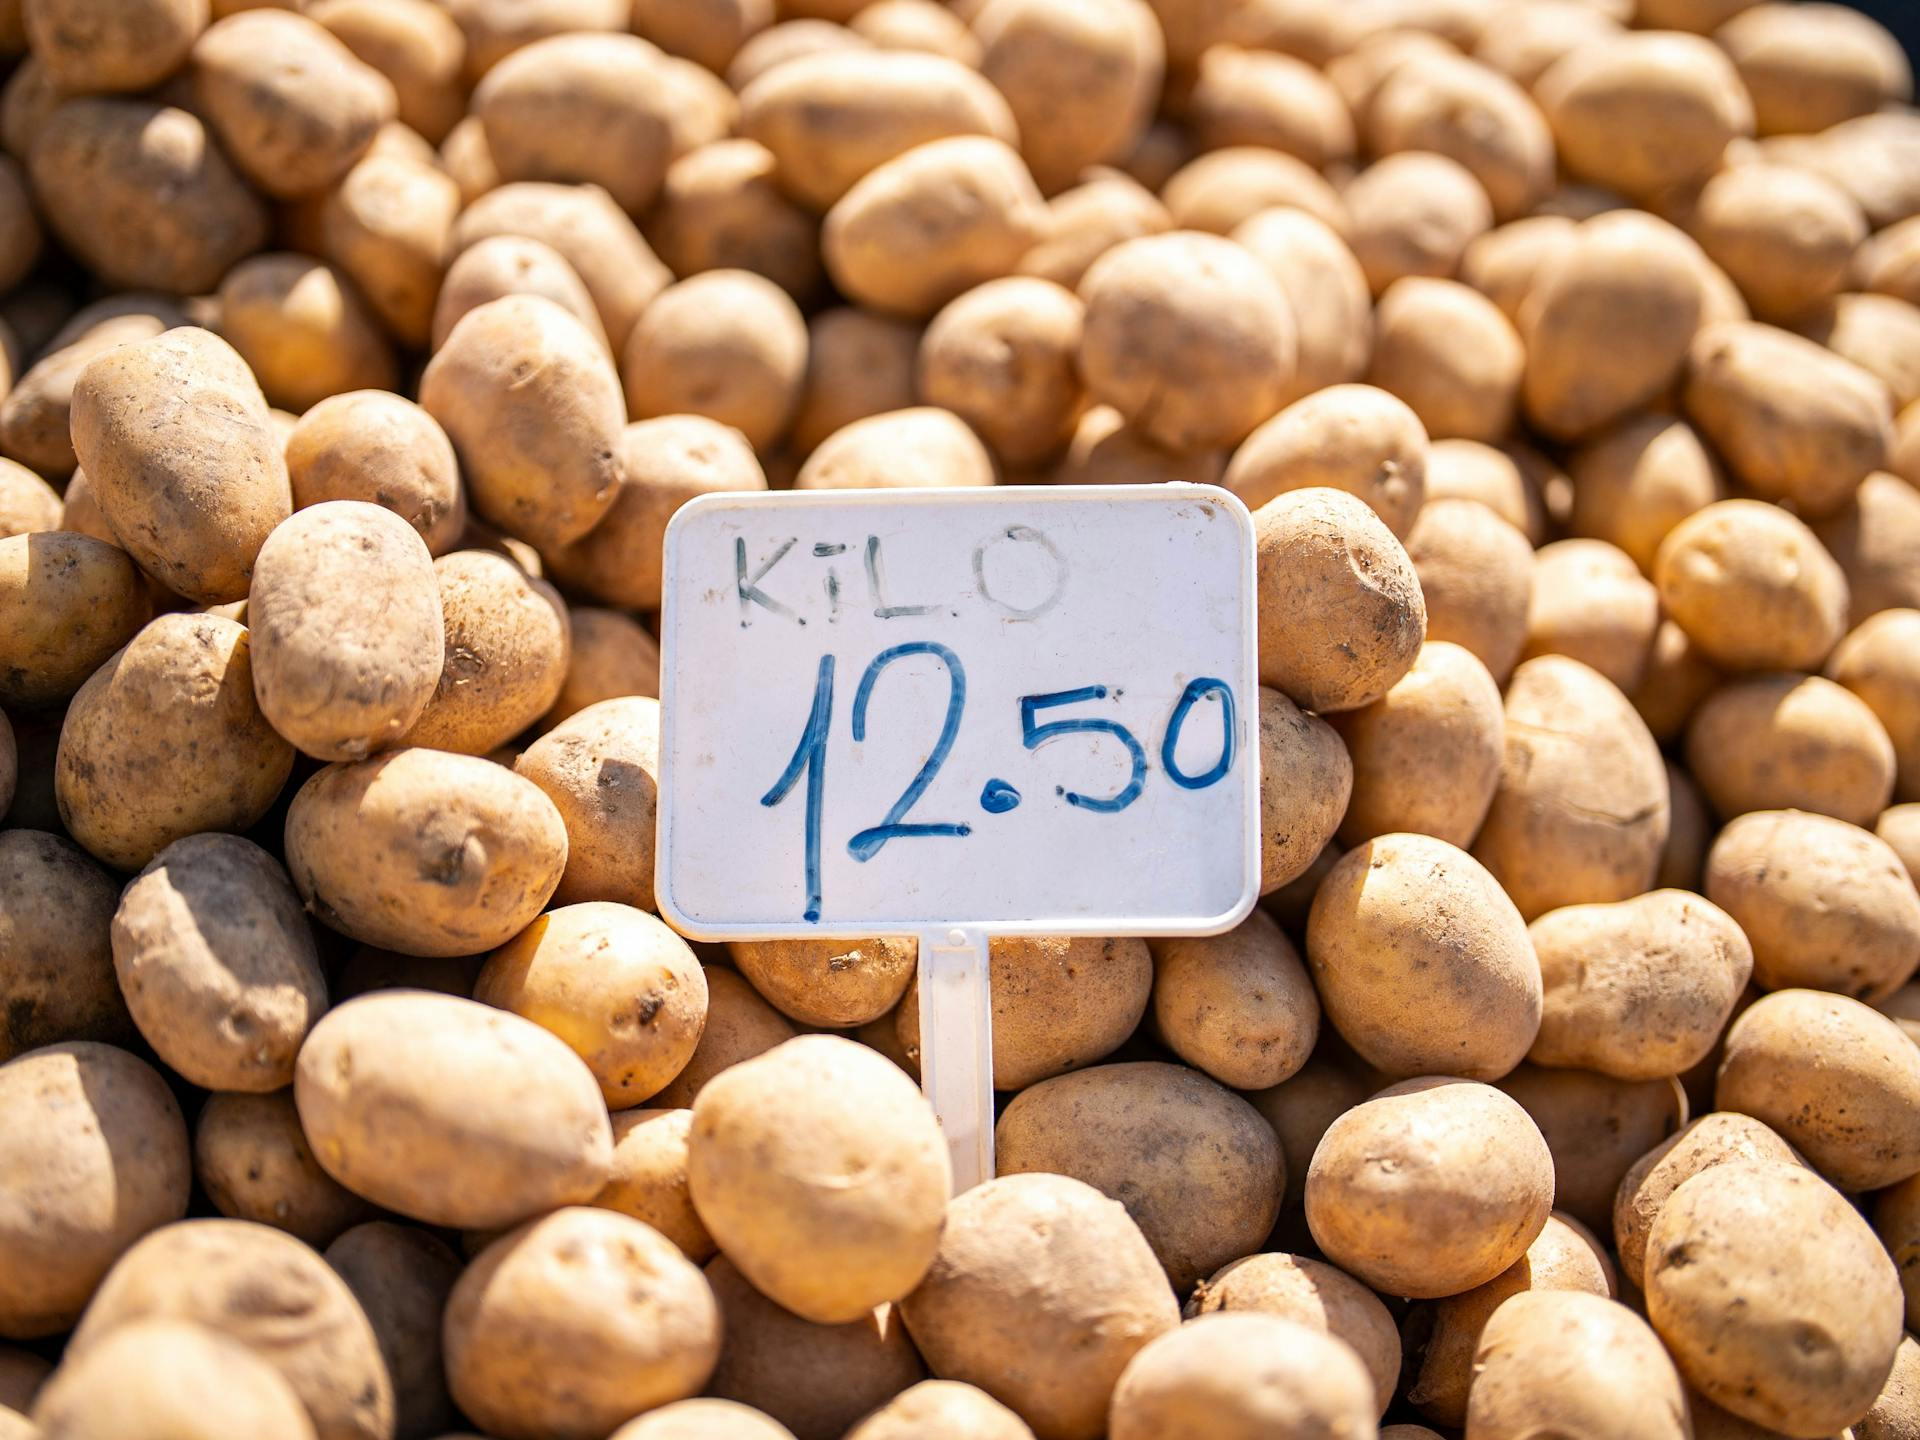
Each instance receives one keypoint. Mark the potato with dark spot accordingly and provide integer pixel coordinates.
(252, 1159)
(1237, 1006)
(401, 1275)
(1785, 741)
(832, 983)
(740, 1025)
(372, 446)
(67, 603)
(600, 770)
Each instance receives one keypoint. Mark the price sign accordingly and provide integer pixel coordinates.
(954, 713)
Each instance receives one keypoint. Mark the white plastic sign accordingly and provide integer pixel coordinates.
(955, 713)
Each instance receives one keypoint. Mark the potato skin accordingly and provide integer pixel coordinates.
(372, 446)
(1424, 965)
(1595, 1127)
(1306, 781)
(932, 1410)
(1002, 358)
(424, 852)
(166, 740)
(56, 964)
(820, 1172)
(541, 1346)
(702, 1419)
(303, 329)
(1476, 579)
(1471, 114)
(1471, 1187)
(1876, 538)
(1880, 662)
(1784, 741)
(502, 265)
(533, 407)
(1714, 1139)
(1585, 1362)
(253, 1161)
(740, 1025)
(401, 1276)
(649, 1179)
(97, 1158)
(1636, 481)
(600, 768)
(1752, 587)
(1346, 437)
(720, 209)
(833, 983)
(217, 963)
(1237, 1006)
(193, 487)
(922, 446)
(1048, 1236)
(346, 628)
(451, 1112)
(1449, 353)
(67, 602)
(27, 503)
(1806, 1266)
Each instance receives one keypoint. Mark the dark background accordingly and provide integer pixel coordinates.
(1900, 16)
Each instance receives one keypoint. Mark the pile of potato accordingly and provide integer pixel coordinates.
(356, 353)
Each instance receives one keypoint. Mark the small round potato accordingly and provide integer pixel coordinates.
(373, 446)
(1812, 69)
(67, 603)
(1347, 437)
(167, 1379)
(1326, 289)
(304, 330)
(194, 487)
(1581, 814)
(816, 1380)
(1639, 989)
(533, 407)
(1811, 1342)
(1325, 553)
(624, 992)
(217, 963)
(931, 1410)
(740, 1025)
(1633, 484)
(1002, 357)
(1219, 191)
(1509, 479)
(820, 1171)
(1105, 450)
(1449, 353)
(1578, 1364)
(831, 983)
(1752, 587)
(270, 1293)
(1242, 96)
(1431, 1187)
(1880, 662)
(401, 1275)
(1187, 336)
(1422, 962)
(56, 958)
(1785, 741)
(419, 48)
(1057, 1004)
(570, 1324)
(1242, 1377)
(451, 1112)
(931, 223)
(166, 740)
(1041, 1292)
(1414, 213)
(1447, 704)
(1476, 579)
(252, 1159)
(1591, 602)
(702, 1419)
(649, 1180)
(345, 620)
(1471, 114)
(920, 448)
(424, 852)
(1713, 1139)
(1238, 1006)
(721, 209)
(1198, 1169)
(505, 651)
(1306, 781)
(95, 1157)
(502, 265)
(600, 769)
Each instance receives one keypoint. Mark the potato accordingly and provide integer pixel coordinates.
(56, 964)
(1591, 603)
(303, 330)
(1581, 813)
(175, 704)
(1002, 358)
(859, 364)
(709, 33)
(506, 643)
(1301, 1108)
(401, 1276)
(599, 771)
(827, 1232)
(9, 765)
(1522, 40)
(1057, 1004)
(1713, 1139)
(67, 602)
(1348, 437)
(1607, 323)
(1879, 334)
(1326, 290)
(833, 117)
(1894, 1412)
(624, 992)
(1446, 1333)
(87, 46)
(503, 265)
(1808, 1270)
(346, 623)
(1785, 236)
(1470, 114)
(1895, 1222)
(1476, 579)
(809, 34)
(150, 1379)
(100, 166)
(372, 446)
(1793, 421)
(649, 1179)
(296, 125)
(1238, 1376)
(1103, 1297)
(1510, 480)
(1187, 336)
(1258, 97)
(1787, 741)
(517, 1125)
(1577, 1362)
(387, 224)
(1104, 1125)
(1449, 353)
(416, 45)
(36, 427)
(494, 29)
(917, 25)
(816, 1380)
(1219, 191)
(1312, 1294)
(1875, 538)
(728, 345)
(1238, 1006)
(217, 964)
(1690, 830)
(1417, 1224)
(589, 231)
(1595, 1126)
(1306, 780)
(1880, 662)
(933, 1410)
(1105, 450)
(1634, 483)
(254, 1164)
(740, 1025)
(27, 503)
(1643, 113)
(920, 447)
(1503, 263)
(97, 1159)
(1899, 826)
(1809, 71)
(543, 1338)
(1414, 214)
(719, 208)
(827, 982)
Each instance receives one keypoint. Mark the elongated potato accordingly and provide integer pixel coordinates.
(649, 1178)
(1325, 287)
(1752, 587)
(828, 982)
(1238, 1006)
(253, 1161)
(600, 769)
(1713, 1139)
(1785, 741)
(1306, 780)
(56, 954)
(1880, 662)
(1346, 437)
(387, 225)
(451, 1112)
(401, 1276)
(1876, 537)
(1809, 70)
(1476, 579)
(1578, 1361)
(67, 602)
(193, 487)
(416, 45)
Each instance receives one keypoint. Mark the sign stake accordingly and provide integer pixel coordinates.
(956, 1047)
